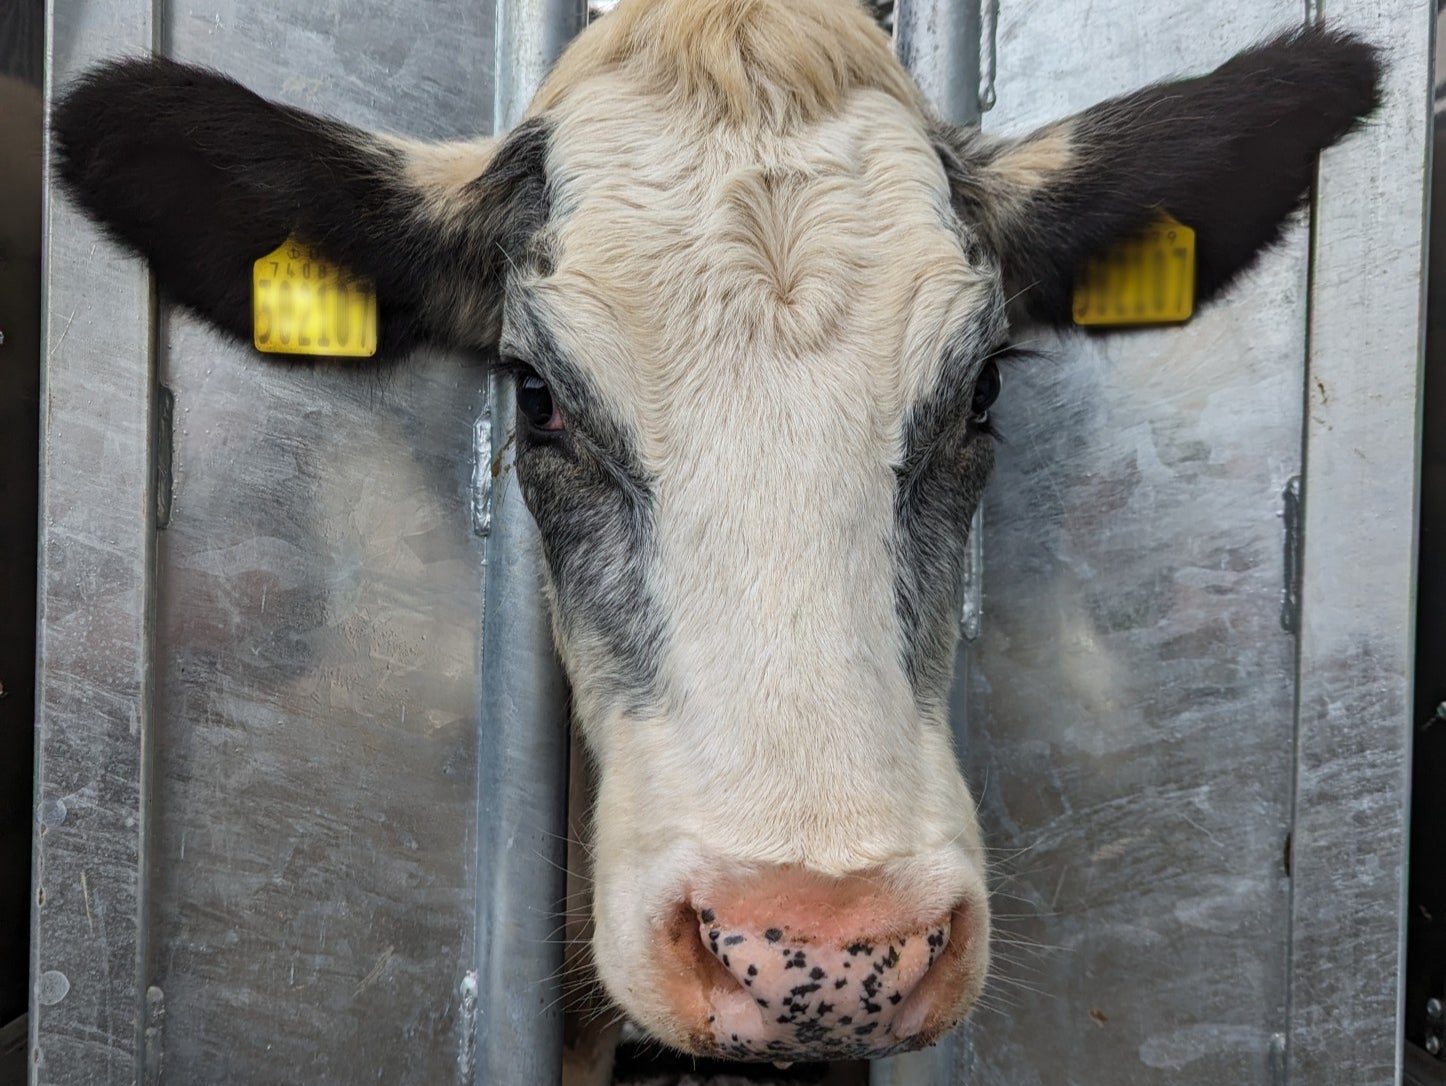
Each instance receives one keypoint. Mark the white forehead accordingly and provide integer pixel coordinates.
(754, 261)
(760, 310)
(725, 268)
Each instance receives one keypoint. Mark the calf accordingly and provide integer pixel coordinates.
(755, 298)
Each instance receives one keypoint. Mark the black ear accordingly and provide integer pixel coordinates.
(203, 177)
(1230, 154)
(882, 12)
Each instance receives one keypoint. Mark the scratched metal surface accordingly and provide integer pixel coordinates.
(317, 637)
(313, 652)
(1131, 708)
(311, 749)
(93, 676)
(1362, 447)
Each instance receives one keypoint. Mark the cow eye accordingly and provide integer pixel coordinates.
(534, 403)
(986, 390)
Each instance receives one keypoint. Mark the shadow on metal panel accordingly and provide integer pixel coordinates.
(21, 115)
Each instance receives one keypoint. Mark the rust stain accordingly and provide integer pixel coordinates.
(1099, 1016)
(497, 466)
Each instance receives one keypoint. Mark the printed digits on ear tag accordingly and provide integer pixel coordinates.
(305, 304)
(1145, 279)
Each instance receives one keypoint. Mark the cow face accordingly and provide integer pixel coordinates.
(755, 299)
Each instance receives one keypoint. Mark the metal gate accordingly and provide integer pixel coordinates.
(302, 756)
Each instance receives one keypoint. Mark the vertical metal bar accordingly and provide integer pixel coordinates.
(939, 42)
(531, 34)
(1362, 460)
(93, 698)
(523, 748)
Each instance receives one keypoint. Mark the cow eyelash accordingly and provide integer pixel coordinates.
(511, 366)
(1006, 354)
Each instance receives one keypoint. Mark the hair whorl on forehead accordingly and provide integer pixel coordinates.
(757, 62)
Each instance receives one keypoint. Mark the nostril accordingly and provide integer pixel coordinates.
(809, 996)
(957, 963)
(716, 965)
(722, 946)
(785, 965)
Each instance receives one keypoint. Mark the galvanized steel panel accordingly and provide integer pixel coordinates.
(316, 656)
(1131, 730)
(1357, 651)
(93, 695)
(318, 634)
(271, 846)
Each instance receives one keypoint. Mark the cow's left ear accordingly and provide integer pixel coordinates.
(203, 177)
(1230, 154)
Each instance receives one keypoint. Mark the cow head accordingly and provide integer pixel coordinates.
(755, 298)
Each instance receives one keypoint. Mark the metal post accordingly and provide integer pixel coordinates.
(531, 34)
(93, 696)
(523, 746)
(939, 42)
(1357, 602)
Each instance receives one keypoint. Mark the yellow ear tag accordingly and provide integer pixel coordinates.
(1146, 279)
(303, 303)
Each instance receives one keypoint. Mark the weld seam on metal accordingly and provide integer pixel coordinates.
(1290, 589)
(165, 454)
(971, 612)
(483, 470)
(988, 54)
(153, 1050)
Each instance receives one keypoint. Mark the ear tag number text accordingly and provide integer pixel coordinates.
(1146, 279)
(303, 303)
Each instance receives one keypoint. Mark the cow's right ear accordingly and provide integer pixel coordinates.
(203, 177)
(1231, 154)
